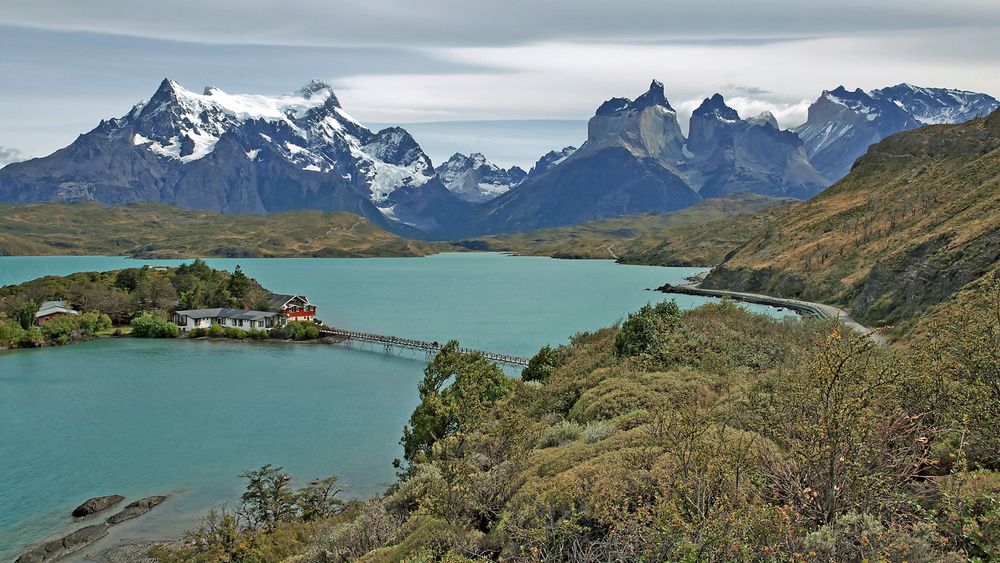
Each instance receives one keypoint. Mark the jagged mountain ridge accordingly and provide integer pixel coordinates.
(636, 160)
(723, 153)
(842, 124)
(548, 160)
(241, 154)
(261, 154)
(731, 155)
(475, 179)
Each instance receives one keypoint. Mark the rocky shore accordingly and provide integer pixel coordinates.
(80, 539)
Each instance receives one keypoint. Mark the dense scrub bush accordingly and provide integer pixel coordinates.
(148, 325)
(13, 336)
(296, 330)
(542, 364)
(597, 431)
(235, 333)
(965, 368)
(709, 435)
(61, 329)
(272, 523)
(639, 332)
(970, 513)
(371, 527)
(215, 331)
(612, 397)
(93, 322)
(257, 334)
(563, 432)
(457, 391)
(24, 313)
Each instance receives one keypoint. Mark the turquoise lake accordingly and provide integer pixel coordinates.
(185, 418)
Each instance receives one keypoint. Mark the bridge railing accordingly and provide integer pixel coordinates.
(420, 345)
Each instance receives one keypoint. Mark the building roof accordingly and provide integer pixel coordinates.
(54, 307)
(225, 313)
(281, 299)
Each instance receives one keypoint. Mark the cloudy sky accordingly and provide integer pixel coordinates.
(67, 64)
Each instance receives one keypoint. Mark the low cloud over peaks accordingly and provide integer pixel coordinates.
(8, 156)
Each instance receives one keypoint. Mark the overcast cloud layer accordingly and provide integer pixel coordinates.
(67, 64)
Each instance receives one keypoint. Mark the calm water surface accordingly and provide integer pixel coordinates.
(140, 418)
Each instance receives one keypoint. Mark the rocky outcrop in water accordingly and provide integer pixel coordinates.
(56, 549)
(97, 504)
(135, 509)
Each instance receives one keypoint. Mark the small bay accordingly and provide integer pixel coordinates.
(185, 418)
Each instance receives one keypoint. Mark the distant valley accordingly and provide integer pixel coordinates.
(152, 230)
(701, 235)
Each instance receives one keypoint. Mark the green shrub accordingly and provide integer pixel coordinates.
(216, 331)
(296, 330)
(61, 330)
(852, 530)
(613, 397)
(257, 334)
(562, 433)
(541, 366)
(971, 513)
(11, 334)
(639, 332)
(457, 390)
(25, 314)
(237, 333)
(148, 325)
(93, 322)
(597, 431)
(372, 528)
(198, 333)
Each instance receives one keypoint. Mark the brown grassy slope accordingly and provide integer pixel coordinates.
(153, 230)
(697, 236)
(914, 222)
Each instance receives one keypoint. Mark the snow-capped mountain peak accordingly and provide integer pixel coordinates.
(307, 127)
(857, 101)
(317, 87)
(296, 140)
(473, 178)
(549, 160)
(654, 96)
(764, 119)
(938, 105)
(716, 108)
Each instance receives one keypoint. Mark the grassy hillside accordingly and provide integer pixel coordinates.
(158, 231)
(914, 223)
(697, 236)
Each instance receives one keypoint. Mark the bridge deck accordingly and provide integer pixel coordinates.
(430, 347)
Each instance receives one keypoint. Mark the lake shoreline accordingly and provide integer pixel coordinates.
(167, 416)
(182, 336)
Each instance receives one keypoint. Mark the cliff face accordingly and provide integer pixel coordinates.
(913, 223)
